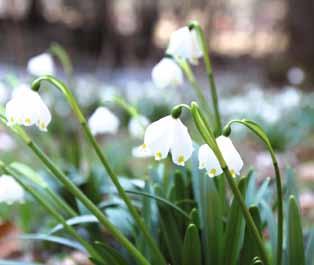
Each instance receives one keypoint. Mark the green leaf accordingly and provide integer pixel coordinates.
(309, 253)
(53, 239)
(250, 249)
(83, 219)
(192, 247)
(295, 245)
(111, 255)
(29, 173)
(235, 228)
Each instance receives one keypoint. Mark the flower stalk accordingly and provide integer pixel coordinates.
(76, 109)
(204, 46)
(209, 138)
(256, 129)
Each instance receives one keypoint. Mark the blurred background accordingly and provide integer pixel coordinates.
(263, 58)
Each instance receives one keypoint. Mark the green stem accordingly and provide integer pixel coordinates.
(256, 129)
(70, 98)
(204, 45)
(211, 141)
(52, 211)
(124, 105)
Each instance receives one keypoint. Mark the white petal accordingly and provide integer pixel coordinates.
(10, 190)
(208, 161)
(41, 64)
(230, 154)
(185, 44)
(103, 121)
(182, 146)
(158, 137)
(167, 73)
(44, 117)
(137, 126)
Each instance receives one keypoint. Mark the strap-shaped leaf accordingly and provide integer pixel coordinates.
(192, 247)
(110, 255)
(295, 245)
(309, 253)
(235, 228)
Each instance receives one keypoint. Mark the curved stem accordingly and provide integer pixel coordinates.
(37, 196)
(124, 105)
(204, 45)
(76, 109)
(256, 129)
(184, 65)
(211, 141)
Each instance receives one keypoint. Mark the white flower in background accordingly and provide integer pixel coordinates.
(168, 134)
(209, 161)
(6, 142)
(167, 74)
(185, 44)
(3, 93)
(10, 190)
(141, 152)
(103, 121)
(137, 126)
(295, 75)
(290, 98)
(27, 108)
(41, 64)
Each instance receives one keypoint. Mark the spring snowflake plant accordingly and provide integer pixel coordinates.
(177, 217)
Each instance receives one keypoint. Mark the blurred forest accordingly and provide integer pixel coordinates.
(123, 32)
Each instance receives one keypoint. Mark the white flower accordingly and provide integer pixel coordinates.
(6, 142)
(169, 134)
(10, 190)
(295, 75)
(167, 74)
(41, 64)
(103, 121)
(185, 44)
(137, 126)
(208, 160)
(27, 108)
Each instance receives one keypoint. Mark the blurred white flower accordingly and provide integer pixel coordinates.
(295, 75)
(41, 64)
(168, 134)
(185, 44)
(137, 126)
(27, 108)
(3, 93)
(141, 152)
(289, 98)
(6, 142)
(167, 74)
(209, 161)
(10, 190)
(103, 121)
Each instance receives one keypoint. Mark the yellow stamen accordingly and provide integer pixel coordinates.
(232, 172)
(212, 172)
(12, 119)
(42, 125)
(158, 155)
(181, 160)
(144, 146)
(28, 121)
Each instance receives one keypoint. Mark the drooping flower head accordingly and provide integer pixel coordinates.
(167, 74)
(103, 121)
(184, 43)
(41, 64)
(169, 134)
(137, 126)
(27, 108)
(209, 161)
(10, 190)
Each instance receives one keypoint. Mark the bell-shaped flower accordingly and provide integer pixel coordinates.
(169, 134)
(185, 43)
(167, 74)
(141, 151)
(27, 108)
(41, 64)
(209, 161)
(103, 121)
(137, 126)
(10, 190)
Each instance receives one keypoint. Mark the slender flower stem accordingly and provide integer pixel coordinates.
(124, 105)
(211, 141)
(52, 211)
(256, 129)
(70, 98)
(204, 45)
